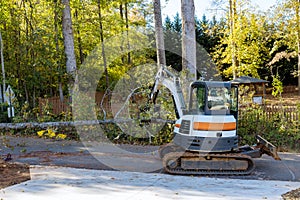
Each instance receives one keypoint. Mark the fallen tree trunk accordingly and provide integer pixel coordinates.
(45, 125)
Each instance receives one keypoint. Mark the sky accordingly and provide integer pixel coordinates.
(204, 7)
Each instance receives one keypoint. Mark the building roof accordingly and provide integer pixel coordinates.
(247, 80)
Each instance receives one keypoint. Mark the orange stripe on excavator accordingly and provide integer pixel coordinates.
(209, 126)
(177, 125)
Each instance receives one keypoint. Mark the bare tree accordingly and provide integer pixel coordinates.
(189, 38)
(160, 45)
(68, 38)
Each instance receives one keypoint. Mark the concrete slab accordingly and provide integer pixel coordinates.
(77, 184)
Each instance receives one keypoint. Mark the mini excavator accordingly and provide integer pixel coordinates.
(205, 139)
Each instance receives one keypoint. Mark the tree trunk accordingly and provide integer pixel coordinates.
(56, 8)
(16, 38)
(81, 56)
(189, 38)
(232, 18)
(102, 44)
(61, 124)
(2, 67)
(122, 41)
(127, 27)
(26, 91)
(298, 41)
(160, 45)
(68, 38)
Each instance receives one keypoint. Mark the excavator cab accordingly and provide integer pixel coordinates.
(213, 98)
(209, 125)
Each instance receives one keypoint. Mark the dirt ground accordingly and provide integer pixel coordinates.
(13, 173)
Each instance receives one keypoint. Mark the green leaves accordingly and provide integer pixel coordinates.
(33, 42)
(277, 87)
(271, 125)
(243, 43)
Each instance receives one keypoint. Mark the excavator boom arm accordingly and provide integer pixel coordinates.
(166, 78)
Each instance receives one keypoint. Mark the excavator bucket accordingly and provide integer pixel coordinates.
(267, 147)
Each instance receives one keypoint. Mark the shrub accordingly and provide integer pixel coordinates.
(275, 128)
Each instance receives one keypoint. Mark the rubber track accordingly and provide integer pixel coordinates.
(180, 171)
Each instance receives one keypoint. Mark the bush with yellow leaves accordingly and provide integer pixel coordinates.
(49, 133)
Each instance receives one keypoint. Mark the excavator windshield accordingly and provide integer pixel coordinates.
(218, 98)
(212, 97)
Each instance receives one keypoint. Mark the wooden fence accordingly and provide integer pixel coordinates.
(56, 106)
(289, 113)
